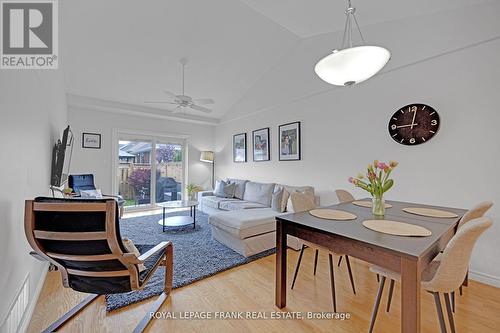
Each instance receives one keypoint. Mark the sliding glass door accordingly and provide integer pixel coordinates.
(150, 171)
(169, 172)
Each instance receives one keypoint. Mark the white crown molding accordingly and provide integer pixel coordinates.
(96, 104)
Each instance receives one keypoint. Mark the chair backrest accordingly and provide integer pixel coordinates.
(82, 238)
(81, 182)
(475, 212)
(344, 196)
(455, 259)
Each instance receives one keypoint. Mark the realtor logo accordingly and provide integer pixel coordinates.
(29, 34)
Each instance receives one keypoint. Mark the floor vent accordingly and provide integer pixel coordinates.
(18, 309)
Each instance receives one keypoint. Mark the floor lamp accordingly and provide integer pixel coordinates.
(209, 157)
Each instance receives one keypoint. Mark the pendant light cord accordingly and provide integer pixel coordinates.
(350, 18)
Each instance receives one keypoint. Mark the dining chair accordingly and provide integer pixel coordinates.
(344, 196)
(477, 211)
(440, 277)
(301, 203)
(82, 239)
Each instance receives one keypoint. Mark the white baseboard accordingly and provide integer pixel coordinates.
(485, 278)
(23, 327)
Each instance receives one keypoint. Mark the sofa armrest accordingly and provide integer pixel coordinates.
(202, 194)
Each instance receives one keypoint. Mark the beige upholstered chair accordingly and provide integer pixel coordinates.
(344, 196)
(302, 203)
(475, 212)
(442, 276)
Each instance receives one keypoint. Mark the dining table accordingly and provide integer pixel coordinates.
(408, 256)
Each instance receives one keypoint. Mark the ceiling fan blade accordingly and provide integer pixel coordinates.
(200, 108)
(159, 102)
(169, 93)
(177, 109)
(203, 101)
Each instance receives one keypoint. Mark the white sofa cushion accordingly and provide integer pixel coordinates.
(214, 202)
(239, 187)
(245, 224)
(240, 204)
(259, 192)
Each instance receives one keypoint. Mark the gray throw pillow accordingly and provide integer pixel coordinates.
(224, 189)
(240, 187)
(277, 199)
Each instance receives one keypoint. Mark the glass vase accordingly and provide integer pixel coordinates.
(378, 206)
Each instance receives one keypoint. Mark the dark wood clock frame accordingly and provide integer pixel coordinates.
(414, 124)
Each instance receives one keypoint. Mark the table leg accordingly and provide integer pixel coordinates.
(410, 296)
(163, 219)
(280, 264)
(194, 217)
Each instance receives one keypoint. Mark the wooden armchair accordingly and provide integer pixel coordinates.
(82, 239)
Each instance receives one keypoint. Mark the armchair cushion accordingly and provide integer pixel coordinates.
(81, 182)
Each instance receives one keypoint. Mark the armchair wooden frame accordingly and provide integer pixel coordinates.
(128, 260)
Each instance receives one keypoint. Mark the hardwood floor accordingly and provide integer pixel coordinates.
(251, 288)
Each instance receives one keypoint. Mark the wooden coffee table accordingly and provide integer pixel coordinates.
(178, 221)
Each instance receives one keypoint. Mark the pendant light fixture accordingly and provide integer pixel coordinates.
(350, 64)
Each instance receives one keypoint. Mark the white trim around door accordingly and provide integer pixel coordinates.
(155, 138)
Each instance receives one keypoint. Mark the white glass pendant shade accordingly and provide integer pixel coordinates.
(352, 65)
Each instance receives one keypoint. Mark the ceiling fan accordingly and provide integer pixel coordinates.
(184, 101)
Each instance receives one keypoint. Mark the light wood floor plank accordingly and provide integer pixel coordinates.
(251, 288)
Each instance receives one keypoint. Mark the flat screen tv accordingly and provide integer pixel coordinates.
(61, 159)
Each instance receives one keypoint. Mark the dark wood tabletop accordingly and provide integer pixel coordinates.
(354, 229)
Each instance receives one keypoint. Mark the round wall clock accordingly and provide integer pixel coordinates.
(414, 124)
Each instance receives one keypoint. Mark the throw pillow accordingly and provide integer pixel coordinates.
(224, 189)
(239, 187)
(300, 202)
(91, 194)
(284, 200)
(130, 247)
(277, 200)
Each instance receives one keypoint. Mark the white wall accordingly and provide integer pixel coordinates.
(344, 129)
(100, 161)
(32, 118)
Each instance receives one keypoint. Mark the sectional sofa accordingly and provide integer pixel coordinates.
(246, 222)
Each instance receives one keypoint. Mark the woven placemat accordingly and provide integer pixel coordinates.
(332, 214)
(429, 212)
(367, 204)
(397, 228)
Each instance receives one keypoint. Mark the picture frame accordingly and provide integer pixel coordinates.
(91, 140)
(240, 148)
(261, 145)
(289, 142)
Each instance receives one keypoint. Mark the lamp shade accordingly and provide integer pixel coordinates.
(207, 156)
(352, 65)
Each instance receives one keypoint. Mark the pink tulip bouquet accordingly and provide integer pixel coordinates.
(376, 182)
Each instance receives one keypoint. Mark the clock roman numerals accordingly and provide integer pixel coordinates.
(414, 124)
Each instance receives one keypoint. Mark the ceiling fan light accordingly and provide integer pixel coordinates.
(353, 65)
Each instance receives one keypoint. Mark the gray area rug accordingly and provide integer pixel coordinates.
(196, 254)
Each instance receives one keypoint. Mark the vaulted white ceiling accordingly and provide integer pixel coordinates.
(127, 51)
(306, 18)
